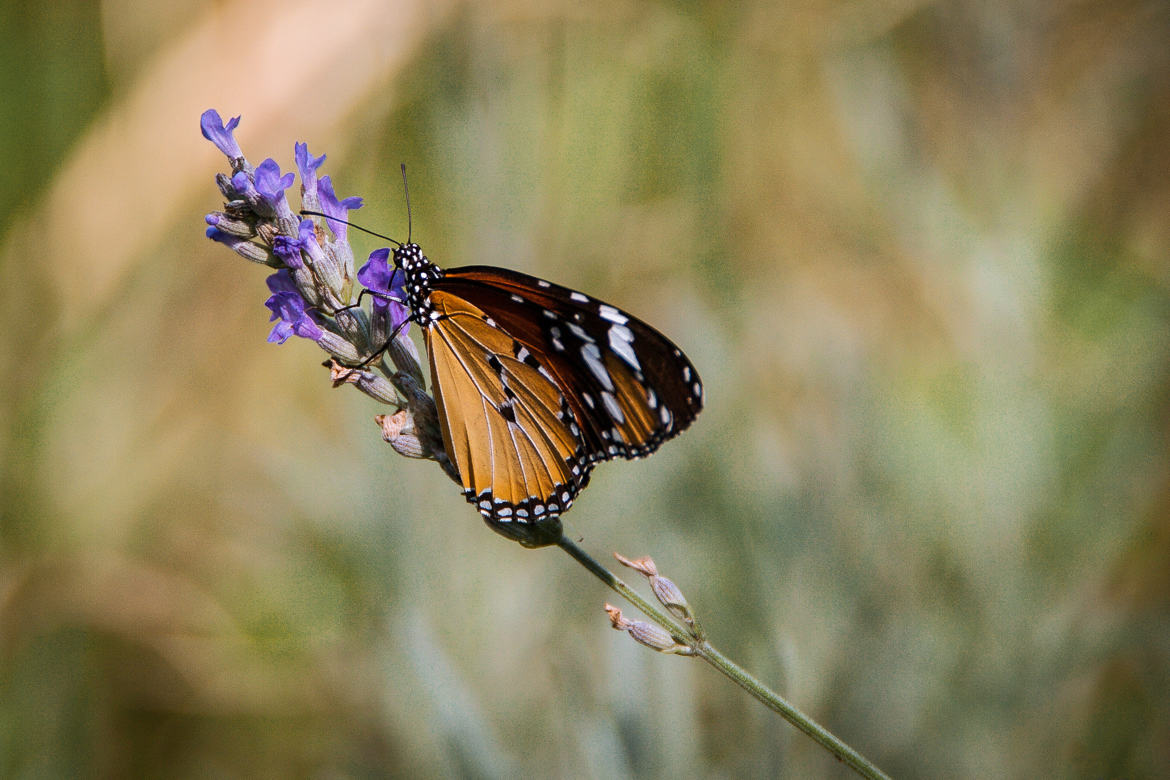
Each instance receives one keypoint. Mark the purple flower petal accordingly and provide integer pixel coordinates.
(215, 131)
(288, 250)
(307, 230)
(376, 273)
(386, 283)
(280, 333)
(307, 164)
(271, 186)
(282, 282)
(307, 329)
(337, 209)
(215, 234)
(243, 185)
(288, 306)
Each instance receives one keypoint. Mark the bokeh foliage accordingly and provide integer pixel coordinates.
(918, 251)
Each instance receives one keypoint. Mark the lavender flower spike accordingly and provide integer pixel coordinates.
(215, 131)
(312, 291)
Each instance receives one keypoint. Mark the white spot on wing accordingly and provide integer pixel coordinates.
(611, 406)
(579, 332)
(665, 415)
(620, 340)
(579, 298)
(613, 315)
(592, 357)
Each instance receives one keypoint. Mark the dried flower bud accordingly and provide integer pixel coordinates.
(657, 638)
(224, 182)
(667, 593)
(249, 250)
(398, 431)
(267, 232)
(671, 597)
(615, 617)
(338, 346)
(374, 385)
(648, 634)
(644, 565)
(233, 226)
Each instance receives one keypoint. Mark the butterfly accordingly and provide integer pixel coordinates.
(537, 383)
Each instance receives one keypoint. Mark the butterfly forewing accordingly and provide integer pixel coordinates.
(630, 388)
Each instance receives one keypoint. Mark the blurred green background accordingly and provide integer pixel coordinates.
(918, 251)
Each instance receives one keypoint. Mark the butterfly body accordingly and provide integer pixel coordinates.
(536, 383)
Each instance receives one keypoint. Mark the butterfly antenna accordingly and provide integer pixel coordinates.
(352, 225)
(406, 189)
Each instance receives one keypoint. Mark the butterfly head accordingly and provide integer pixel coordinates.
(419, 272)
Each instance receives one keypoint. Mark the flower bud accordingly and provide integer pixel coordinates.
(338, 347)
(224, 182)
(249, 250)
(616, 618)
(398, 431)
(644, 565)
(656, 638)
(667, 593)
(374, 385)
(648, 634)
(671, 597)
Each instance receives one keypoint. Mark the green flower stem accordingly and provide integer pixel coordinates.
(727, 667)
(773, 701)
